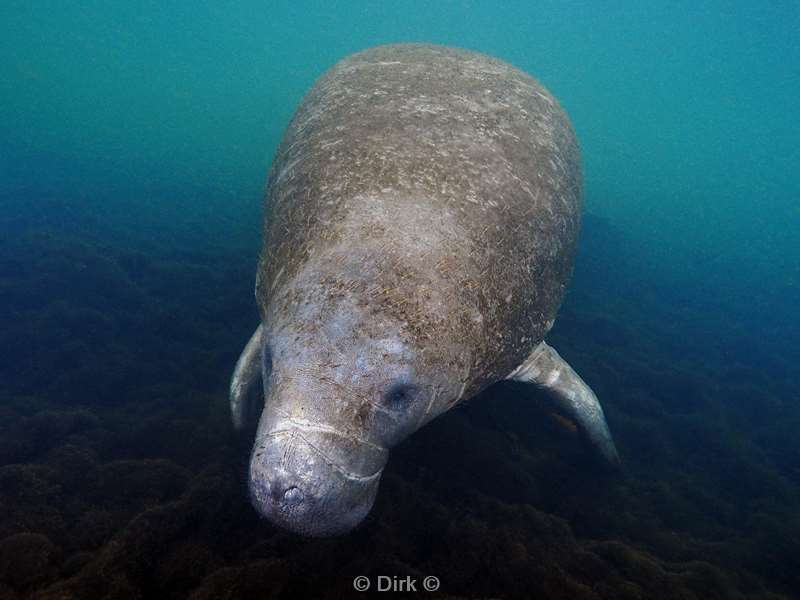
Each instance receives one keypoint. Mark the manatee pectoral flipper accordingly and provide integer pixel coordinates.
(570, 395)
(246, 376)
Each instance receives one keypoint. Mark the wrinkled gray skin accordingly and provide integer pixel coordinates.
(421, 222)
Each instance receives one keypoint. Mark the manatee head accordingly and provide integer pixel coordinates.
(344, 381)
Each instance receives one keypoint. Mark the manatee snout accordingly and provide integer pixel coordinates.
(315, 483)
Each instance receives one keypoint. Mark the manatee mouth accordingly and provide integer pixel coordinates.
(298, 484)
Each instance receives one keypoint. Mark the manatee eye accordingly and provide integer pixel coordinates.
(400, 395)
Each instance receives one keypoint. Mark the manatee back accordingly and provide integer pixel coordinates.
(467, 143)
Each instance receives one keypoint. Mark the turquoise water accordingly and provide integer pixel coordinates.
(136, 141)
(684, 112)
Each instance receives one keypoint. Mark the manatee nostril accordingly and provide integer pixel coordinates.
(293, 495)
(281, 493)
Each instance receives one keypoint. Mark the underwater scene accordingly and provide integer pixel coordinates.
(137, 139)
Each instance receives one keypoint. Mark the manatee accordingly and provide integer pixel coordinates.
(421, 219)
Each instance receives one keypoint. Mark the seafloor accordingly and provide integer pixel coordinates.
(120, 476)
